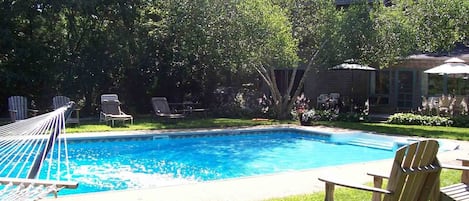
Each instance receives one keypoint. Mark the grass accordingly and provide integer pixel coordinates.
(406, 130)
(146, 123)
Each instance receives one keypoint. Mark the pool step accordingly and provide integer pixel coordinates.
(373, 143)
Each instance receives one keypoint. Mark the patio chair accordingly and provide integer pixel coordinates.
(18, 108)
(161, 108)
(59, 101)
(414, 175)
(107, 97)
(459, 191)
(111, 112)
(322, 100)
(334, 98)
(445, 104)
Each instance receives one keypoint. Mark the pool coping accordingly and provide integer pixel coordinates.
(254, 187)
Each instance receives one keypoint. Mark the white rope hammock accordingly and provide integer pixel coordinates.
(33, 159)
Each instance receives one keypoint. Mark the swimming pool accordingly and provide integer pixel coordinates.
(149, 160)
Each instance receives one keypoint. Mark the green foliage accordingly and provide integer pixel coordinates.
(461, 121)
(437, 24)
(186, 49)
(416, 119)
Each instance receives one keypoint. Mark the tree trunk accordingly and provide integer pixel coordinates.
(283, 103)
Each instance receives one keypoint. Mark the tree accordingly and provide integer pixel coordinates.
(438, 24)
(267, 43)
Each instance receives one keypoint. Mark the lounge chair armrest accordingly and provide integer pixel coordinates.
(455, 167)
(339, 182)
(463, 159)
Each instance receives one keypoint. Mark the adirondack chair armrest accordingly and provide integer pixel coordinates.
(455, 167)
(13, 114)
(331, 182)
(381, 175)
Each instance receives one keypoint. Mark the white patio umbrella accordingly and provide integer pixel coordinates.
(453, 66)
(352, 67)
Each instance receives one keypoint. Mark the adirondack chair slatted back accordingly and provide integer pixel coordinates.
(59, 101)
(415, 172)
(160, 105)
(18, 107)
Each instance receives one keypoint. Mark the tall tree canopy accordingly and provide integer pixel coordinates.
(185, 48)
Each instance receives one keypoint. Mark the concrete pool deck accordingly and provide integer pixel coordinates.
(258, 188)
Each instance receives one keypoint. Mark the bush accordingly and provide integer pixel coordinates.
(415, 119)
(461, 121)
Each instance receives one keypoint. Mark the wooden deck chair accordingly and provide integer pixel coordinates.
(18, 108)
(161, 108)
(459, 191)
(111, 112)
(59, 101)
(414, 176)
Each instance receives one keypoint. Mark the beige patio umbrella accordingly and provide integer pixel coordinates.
(453, 67)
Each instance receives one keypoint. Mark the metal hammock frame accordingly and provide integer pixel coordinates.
(33, 158)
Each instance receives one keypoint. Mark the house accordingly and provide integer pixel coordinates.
(396, 88)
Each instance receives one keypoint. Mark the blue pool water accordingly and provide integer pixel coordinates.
(143, 162)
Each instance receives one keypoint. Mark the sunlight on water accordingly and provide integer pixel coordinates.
(147, 163)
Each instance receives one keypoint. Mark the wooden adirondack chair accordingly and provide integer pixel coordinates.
(18, 108)
(459, 191)
(414, 176)
(59, 101)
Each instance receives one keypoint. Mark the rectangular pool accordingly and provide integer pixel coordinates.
(155, 160)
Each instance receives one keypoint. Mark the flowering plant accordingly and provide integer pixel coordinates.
(301, 104)
(308, 115)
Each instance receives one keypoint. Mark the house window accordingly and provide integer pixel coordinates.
(457, 85)
(435, 84)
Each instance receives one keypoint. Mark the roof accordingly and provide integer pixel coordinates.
(460, 51)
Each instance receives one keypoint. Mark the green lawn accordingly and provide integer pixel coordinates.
(342, 194)
(147, 123)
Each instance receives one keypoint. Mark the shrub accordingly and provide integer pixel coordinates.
(416, 119)
(461, 121)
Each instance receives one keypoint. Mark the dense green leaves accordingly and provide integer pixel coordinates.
(186, 49)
